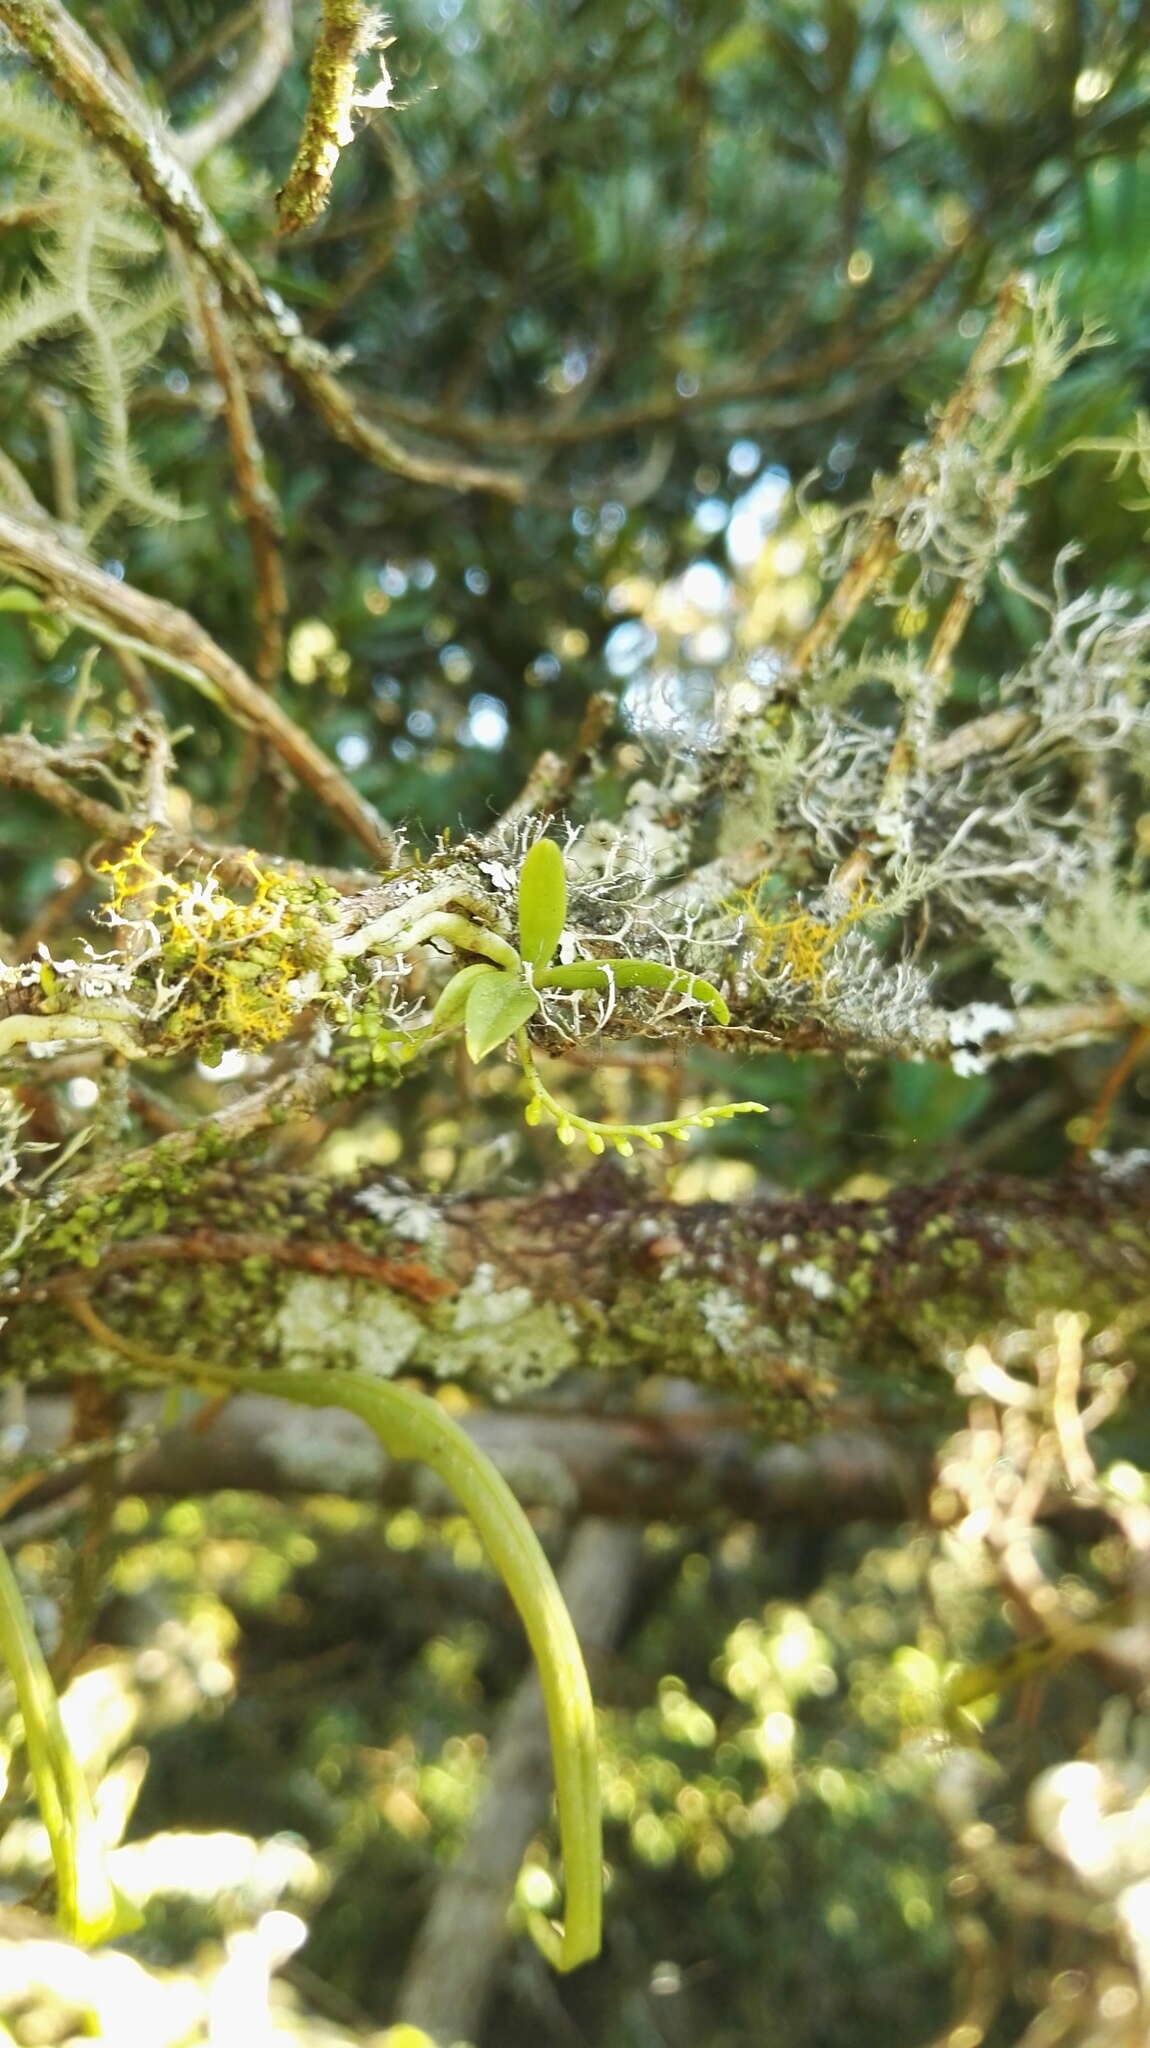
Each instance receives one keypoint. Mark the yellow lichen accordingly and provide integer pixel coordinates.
(789, 939)
(231, 968)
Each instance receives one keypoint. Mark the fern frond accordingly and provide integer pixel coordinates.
(35, 311)
(110, 323)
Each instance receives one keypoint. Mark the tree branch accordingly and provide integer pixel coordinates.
(348, 30)
(164, 634)
(80, 75)
(568, 427)
(247, 92)
(258, 502)
(27, 764)
(812, 1310)
(674, 1466)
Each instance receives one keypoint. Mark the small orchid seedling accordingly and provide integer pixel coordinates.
(495, 1004)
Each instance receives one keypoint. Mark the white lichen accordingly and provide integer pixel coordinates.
(968, 1031)
(400, 1210)
(726, 1319)
(504, 1336)
(346, 1323)
(815, 1280)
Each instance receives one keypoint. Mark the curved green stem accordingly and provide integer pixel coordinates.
(409, 1425)
(88, 1904)
(412, 1426)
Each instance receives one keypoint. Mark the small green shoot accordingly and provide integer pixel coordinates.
(494, 1003)
(88, 1905)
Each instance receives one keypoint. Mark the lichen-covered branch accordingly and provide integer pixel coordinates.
(348, 30)
(666, 1464)
(45, 772)
(858, 798)
(398, 968)
(82, 77)
(808, 1309)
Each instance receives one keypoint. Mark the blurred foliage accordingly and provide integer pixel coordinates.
(805, 207)
(778, 1864)
(583, 220)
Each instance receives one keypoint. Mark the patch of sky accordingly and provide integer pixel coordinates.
(754, 516)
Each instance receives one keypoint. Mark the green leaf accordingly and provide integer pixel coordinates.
(497, 1004)
(15, 598)
(542, 902)
(453, 1000)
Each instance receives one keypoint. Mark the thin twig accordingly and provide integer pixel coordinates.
(50, 405)
(258, 502)
(80, 75)
(109, 608)
(97, 1411)
(25, 763)
(1134, 1051)
(553, 776)
(187, 63)
(878, 551)
(816, 368)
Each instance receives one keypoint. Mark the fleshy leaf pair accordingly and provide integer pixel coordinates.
(494, 1002)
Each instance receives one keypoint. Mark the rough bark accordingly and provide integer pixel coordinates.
(808, 1310)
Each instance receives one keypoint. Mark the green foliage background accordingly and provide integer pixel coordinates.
(662, 200)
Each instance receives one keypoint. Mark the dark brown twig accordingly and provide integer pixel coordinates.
(258, 502)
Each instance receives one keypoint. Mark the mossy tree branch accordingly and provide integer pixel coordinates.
(348, 30)
(811, 1310)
